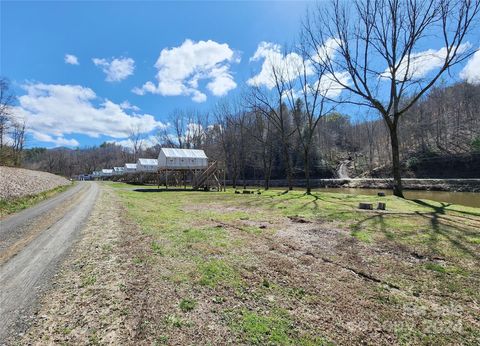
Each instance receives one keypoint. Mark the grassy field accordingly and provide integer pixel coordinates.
(8, 207)
(292, 269)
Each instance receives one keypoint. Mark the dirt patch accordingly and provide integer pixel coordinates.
(355, 292)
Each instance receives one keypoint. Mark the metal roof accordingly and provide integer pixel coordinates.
(131, 165)
(148, 162)
(118, 169)
(107, 171)
(184, 153)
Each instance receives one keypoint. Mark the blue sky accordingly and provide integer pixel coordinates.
(37, 35)
(114, 46)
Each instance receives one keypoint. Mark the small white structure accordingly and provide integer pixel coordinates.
(173, 158)
(147, 165)
(107, 172)
(130, 167)
(118, 170)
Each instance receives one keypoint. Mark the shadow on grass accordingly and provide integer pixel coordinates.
(441, 209)
(450, 229)
(444, 230)
(167, 190)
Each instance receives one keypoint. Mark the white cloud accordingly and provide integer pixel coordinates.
(58, 141)
(53, 111)
(288, 66)
(127, 106)
(422, 63)
(71, 59)
(329, 87)
(147, 142)
(327, 51)
(181, 68)
(116, 69)
(471, 71)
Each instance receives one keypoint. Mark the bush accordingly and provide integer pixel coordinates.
(476, 145)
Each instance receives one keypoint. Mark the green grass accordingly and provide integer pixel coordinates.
(187, 304)
(272, 328)
(216, 272)
(156, 248)
(203, 241)
(265, 329)
(435, 267)
(11, 206)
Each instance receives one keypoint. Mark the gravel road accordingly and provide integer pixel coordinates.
(27, 272)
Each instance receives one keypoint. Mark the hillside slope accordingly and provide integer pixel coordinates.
(19, 182)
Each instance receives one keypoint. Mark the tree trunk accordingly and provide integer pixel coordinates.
(397, 177)
(307, 170)
(265, 173)
(287, 164)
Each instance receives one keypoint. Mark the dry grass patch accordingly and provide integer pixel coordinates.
(296, 269)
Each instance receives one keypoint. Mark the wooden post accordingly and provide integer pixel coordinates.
(367, 206)
(225, 178)
(166, 179)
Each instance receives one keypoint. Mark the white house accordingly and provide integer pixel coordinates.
(130, 167)
(173, 158)
(107, 172)
(118, 170)
(147, 165)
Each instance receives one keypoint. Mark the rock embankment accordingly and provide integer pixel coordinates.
(19, 182)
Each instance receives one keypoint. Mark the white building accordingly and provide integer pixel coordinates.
(107, 172)
(147, 165)
(130, 167)
(172, 158)
(118, 170)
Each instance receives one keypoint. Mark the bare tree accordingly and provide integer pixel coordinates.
(270, 102)
(308, 94)
(136, 137)
(18, 140)
(227, 127)
(6, 102)
(375, 52)
(262, 132)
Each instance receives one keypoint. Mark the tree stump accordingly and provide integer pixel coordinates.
(367, 206)
(381, 206)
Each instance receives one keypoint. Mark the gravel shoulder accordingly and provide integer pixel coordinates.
(25, 276)
(19, 182)
(20, 228)
(88, 301)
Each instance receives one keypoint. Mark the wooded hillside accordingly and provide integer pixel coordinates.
(439, 137)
